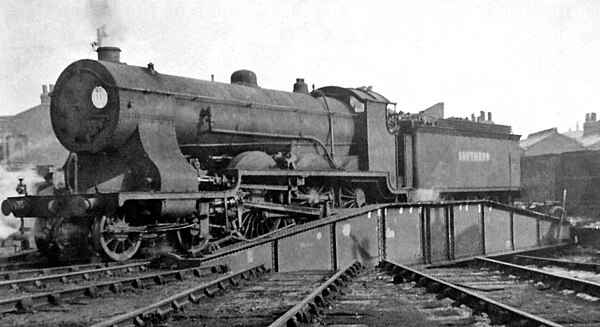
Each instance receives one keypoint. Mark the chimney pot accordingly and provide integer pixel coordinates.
(244, 77)
(300, 86)
(593, 117)
(112, 54)
(51, 87)
(44, 97)
(490, 116)
(481, 117)
(587, 117)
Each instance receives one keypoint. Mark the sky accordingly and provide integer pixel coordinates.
(534, 64)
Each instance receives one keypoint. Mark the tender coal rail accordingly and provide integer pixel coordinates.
(498, 312)
(29, 302)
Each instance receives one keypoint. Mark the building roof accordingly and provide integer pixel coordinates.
(549, 141)
(537, 137)
(590, 140)
(578, 134)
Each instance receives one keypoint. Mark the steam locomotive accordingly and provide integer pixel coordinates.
(205, 162)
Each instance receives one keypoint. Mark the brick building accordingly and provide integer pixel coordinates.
(27, 137)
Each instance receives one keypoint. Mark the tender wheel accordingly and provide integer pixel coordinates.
(191, 240)
(352, 197)
(112, 239)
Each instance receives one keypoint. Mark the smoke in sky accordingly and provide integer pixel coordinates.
(105, 15)
(532, 63)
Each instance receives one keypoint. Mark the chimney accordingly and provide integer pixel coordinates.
(591, 126)
(244, 77)
(481, 117)
(51, 88)
(111, 54)
(473, 117)
(44, 97)
(489, 116)
(300, 86)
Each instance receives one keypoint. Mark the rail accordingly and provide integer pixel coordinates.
(41, 281)
(27, 273)
(23, 303)
(498, 312)
(178, 301)
(586, 266)
(554, 280)
(300, 312)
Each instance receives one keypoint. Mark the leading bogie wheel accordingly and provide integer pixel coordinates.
(112, 239)
(62, 239)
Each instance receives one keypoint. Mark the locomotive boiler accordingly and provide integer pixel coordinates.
(205, 162)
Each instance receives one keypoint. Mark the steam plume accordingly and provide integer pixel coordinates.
(104, 15)
(425, 195)
(8, 182)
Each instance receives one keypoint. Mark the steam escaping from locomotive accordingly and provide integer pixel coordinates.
(8, 179)
(425, 195)
(106, 18)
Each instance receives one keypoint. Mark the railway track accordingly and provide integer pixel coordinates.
(375, 300)
(510, 294)
(74, 275)
(38, 264)
(562, 263)
(141, 296)
(15, 275)
(272, 299)
(556, 281)
(67, 298)
(19, 256)
(29, 259)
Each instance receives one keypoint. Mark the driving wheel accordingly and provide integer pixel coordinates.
(113, 238)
